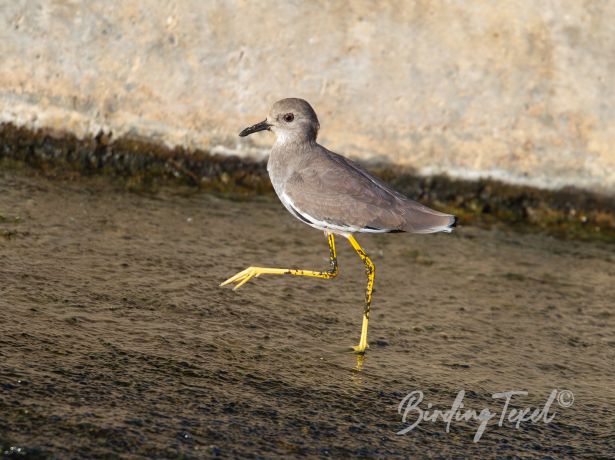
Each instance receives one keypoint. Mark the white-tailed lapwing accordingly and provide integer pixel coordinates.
(333, 194)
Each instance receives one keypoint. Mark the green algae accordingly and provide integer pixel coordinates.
(139, 163)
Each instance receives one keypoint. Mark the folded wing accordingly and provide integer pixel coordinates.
(330, 188)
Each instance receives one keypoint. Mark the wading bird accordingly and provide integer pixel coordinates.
(331, 193)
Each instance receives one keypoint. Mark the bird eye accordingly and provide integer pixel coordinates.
(289, 117)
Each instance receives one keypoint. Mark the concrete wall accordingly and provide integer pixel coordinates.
(518, 90)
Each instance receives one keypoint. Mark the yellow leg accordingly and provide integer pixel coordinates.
(370, 270)
(246, 275)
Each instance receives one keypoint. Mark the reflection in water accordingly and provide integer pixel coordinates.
(360, 361)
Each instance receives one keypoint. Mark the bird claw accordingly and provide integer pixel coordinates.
(242, 277)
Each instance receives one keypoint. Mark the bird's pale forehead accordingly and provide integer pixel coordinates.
(293, 105)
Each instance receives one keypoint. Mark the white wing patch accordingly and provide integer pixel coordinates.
(323, 225)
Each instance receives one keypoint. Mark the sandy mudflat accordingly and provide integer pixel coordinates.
(115, 339)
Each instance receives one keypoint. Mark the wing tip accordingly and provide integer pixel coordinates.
(449, 228)
(446, 228)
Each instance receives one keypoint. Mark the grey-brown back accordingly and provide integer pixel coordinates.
(327, 190)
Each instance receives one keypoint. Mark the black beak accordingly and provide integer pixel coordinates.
(262, 126)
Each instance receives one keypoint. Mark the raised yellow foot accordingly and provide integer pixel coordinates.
(246, 275)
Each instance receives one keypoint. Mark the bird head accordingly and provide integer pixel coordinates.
(291, 120)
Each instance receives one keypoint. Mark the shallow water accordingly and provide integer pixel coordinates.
(115, 338)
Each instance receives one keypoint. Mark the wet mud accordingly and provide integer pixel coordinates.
(116, 340)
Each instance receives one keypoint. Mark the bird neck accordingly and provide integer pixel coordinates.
(304, 133)
(290, 139)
